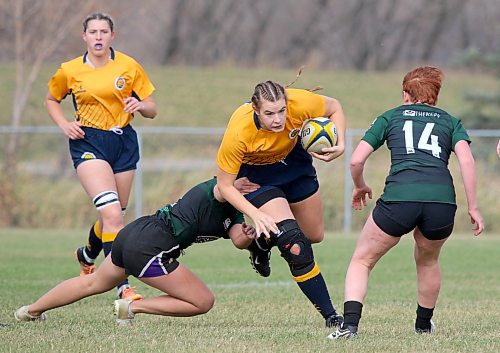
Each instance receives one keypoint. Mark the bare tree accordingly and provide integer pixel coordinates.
(40, 26)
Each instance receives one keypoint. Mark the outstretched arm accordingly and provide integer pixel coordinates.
(358, 160)
(467, 169)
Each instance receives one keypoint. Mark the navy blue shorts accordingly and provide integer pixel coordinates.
(121, 151)
(295, 176)
(435, 220)
(146, 247)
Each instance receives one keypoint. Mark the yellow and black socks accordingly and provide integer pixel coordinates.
(94, 245)
(314, 288)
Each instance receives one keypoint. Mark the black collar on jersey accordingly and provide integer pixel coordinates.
(111, 56)
(256, 121)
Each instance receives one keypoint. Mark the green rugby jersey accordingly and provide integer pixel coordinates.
(198, 217)
(420, 138)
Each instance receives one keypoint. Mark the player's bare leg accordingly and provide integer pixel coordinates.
(105, 278)
(372, 244)
(309, 216)
(185, 295)
(428, 279)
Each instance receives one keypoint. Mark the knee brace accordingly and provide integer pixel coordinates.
(105, 199)
(295, 248)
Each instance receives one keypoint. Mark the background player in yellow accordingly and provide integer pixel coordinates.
(107, 87)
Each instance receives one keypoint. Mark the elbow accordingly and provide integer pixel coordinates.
(336, 108)
(151, 114)
(356, 164)
(223, 188)
(46, 102)
(467, 163)
(242, 243)
(356, 168)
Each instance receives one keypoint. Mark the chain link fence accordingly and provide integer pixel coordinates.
(49, 195)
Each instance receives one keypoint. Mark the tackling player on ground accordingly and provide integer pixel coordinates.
(148, 249)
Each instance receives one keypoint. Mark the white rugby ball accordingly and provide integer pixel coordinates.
(317, 133)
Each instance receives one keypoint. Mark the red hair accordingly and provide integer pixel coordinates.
(423, 84)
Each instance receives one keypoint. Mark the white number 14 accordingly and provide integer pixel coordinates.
(423, 142)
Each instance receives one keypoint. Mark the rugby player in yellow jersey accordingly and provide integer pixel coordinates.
(107, 87)
(260, 143)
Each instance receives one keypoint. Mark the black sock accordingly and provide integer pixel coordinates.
(94, 246)
(424, 316)
(352, 313)
(314, 288)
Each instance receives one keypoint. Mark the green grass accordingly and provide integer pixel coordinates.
(253, 314)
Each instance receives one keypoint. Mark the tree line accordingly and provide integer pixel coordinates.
(355, 34)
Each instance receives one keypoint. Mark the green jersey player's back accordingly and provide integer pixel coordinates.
(198, 217)
(421, 138)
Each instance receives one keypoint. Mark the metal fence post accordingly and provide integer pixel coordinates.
(348, 182)
(138, 179)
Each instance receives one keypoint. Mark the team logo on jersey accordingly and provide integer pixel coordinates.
(79, 90)
(293, 134)
(421, 114)
(87, 155)
(120, 83)
(227, 223)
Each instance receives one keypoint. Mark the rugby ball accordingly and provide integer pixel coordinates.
(317, 133)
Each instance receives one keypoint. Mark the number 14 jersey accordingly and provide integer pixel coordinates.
(420, 138)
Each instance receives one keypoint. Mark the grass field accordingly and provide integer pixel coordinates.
(254, 314)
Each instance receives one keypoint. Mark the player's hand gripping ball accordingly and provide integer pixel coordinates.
(317, 133)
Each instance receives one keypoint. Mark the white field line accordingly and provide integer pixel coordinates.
(252, 284)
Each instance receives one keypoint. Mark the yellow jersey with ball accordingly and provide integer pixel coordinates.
(245, 142)
(98, 93)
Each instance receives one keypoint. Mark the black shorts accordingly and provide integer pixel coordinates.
(119, 148)
(435, 220)
(146, 248)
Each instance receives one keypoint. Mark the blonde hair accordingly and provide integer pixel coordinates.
(272, 91)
